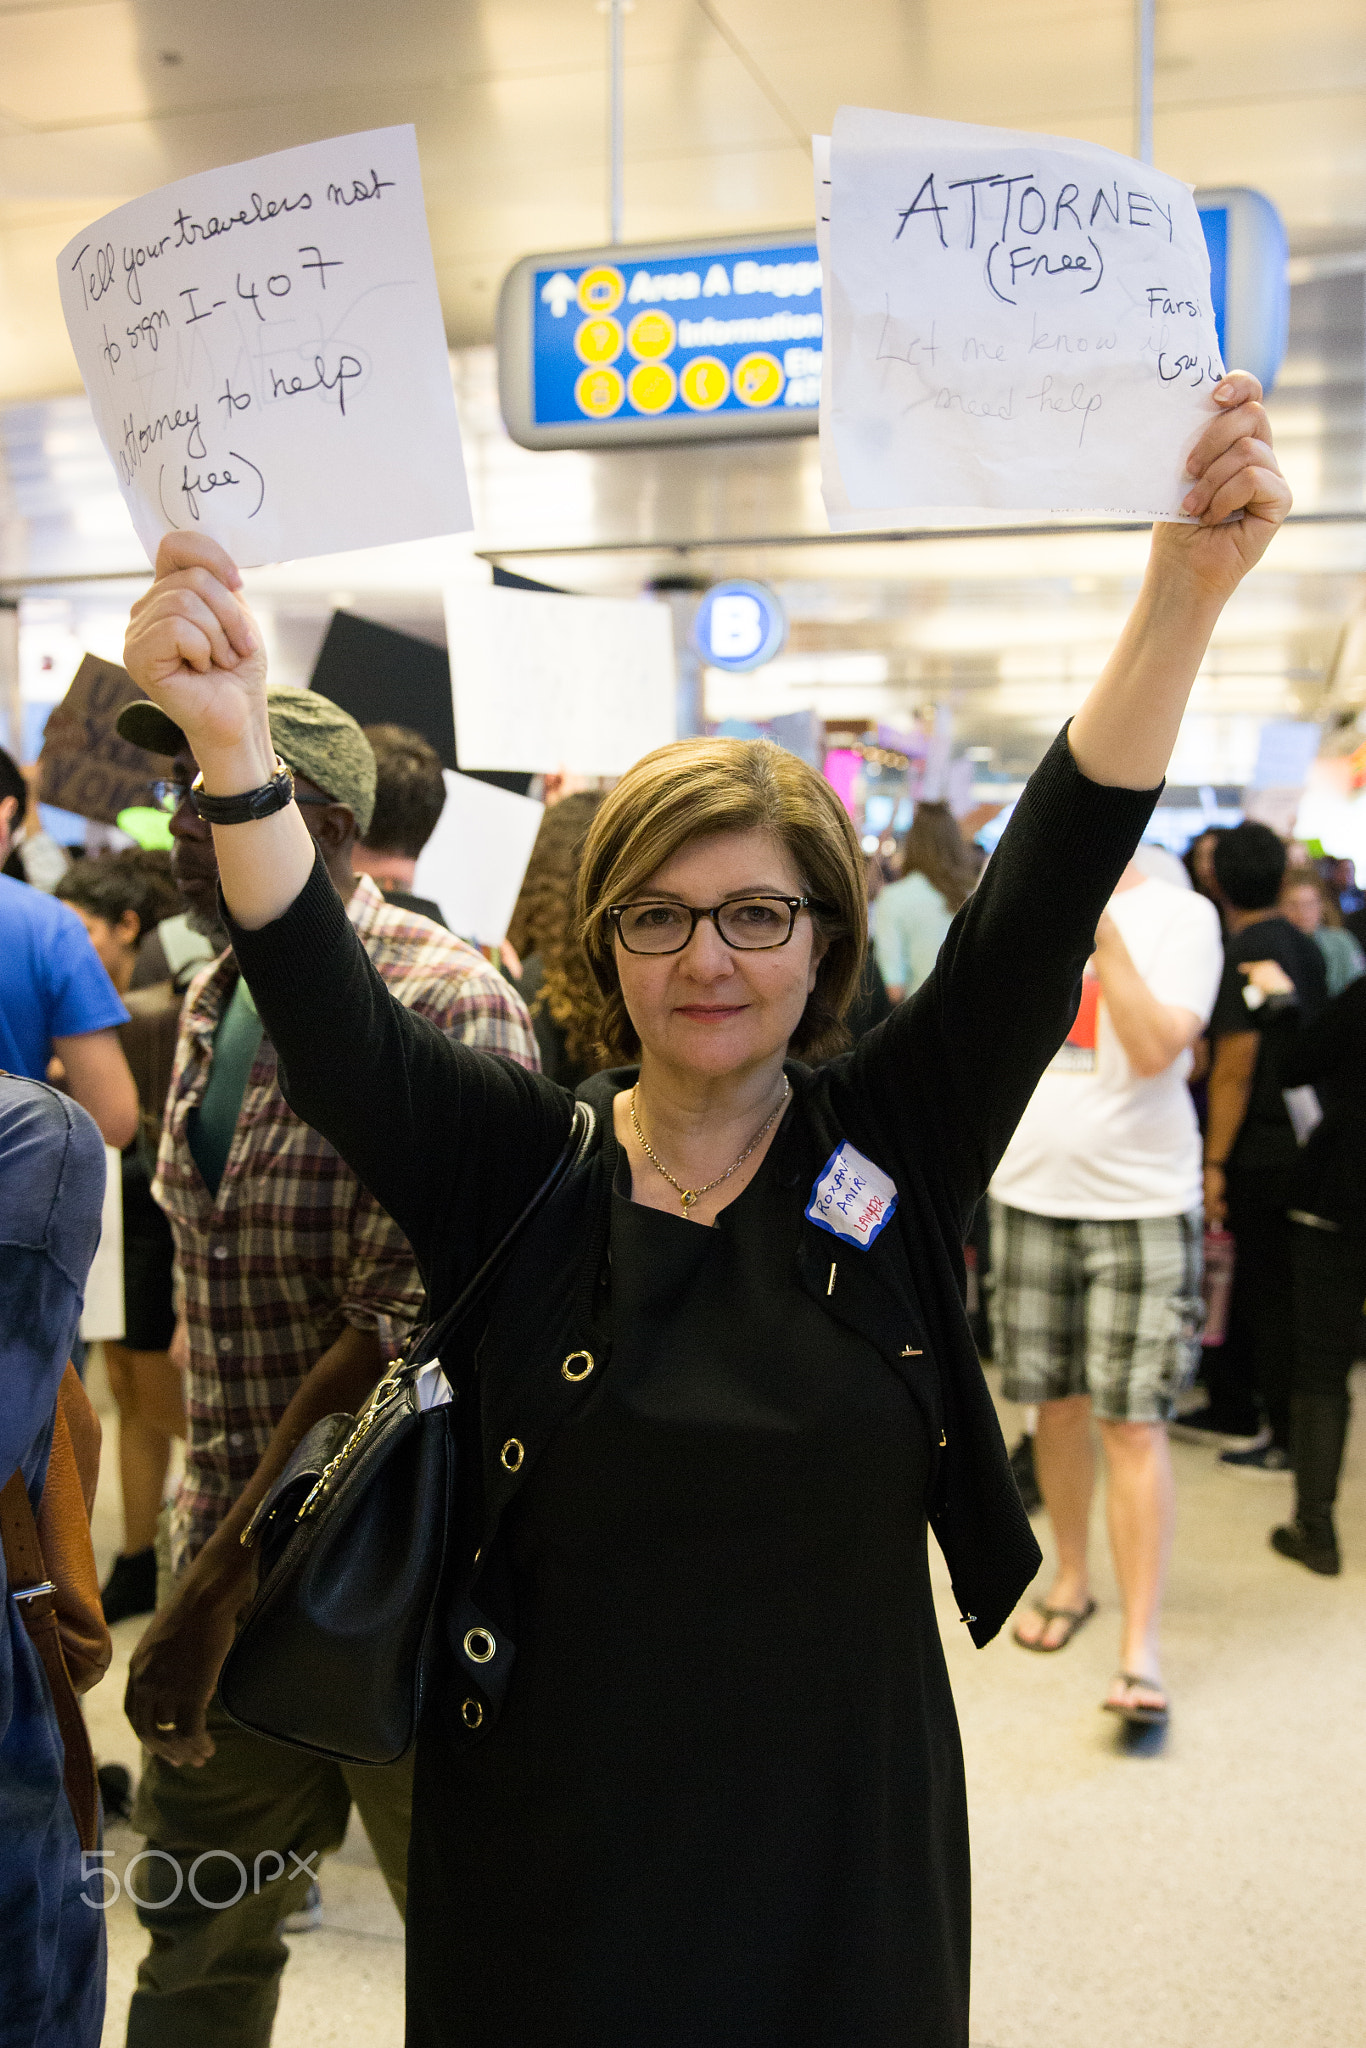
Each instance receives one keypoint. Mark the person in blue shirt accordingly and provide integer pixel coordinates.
(55, 997)
(51, 1194)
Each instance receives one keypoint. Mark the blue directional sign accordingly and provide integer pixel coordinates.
(1249, 280)
(739, 625)
(700, 341)
(670, 343)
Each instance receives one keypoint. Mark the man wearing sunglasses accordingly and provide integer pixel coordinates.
(296, 1290)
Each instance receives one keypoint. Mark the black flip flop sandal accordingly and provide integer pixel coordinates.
(1139, 1717)
(1075, 1617)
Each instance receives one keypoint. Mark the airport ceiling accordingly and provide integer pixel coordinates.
(101, 100)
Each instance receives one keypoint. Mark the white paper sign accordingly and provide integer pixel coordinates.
(838, 510)
(102, 1315)
(1286, 749)
(542, 683)
(1304, 1110)
(474, 861)
(1015, 321)
(265, 355)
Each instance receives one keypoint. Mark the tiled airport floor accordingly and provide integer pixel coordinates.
(1203, 1894)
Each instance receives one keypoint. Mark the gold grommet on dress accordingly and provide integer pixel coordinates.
(512, 1455)
(472, 1714)
(585, 1368)
(480, 1647)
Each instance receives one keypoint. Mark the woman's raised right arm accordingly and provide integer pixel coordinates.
(441, 1134)
(450, 1139)
(194, 647)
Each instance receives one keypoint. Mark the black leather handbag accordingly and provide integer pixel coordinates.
(333, 1651)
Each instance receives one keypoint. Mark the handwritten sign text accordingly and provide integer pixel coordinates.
(1014, 320)
(265, 355)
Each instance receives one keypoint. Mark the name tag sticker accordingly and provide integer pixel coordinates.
(852, 1198)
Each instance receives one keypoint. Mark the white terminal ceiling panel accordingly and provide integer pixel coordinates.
(100, 103)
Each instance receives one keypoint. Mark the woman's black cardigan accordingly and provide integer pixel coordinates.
(453, 1142)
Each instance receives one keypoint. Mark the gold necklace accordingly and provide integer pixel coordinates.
(688, 1196)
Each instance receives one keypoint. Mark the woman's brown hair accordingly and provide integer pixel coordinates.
(544, 923)
(698, 787)
(934, 847)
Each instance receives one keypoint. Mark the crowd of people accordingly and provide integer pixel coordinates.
(331, 1111)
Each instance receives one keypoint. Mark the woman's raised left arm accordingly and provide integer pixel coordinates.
(1124, 733)
(947, 1077)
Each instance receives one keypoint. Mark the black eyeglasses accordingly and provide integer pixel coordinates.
(172, 791)
(748, 924)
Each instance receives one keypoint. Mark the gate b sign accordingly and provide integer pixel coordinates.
(739, 626)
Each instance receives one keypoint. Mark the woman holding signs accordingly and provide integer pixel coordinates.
(726, 1381)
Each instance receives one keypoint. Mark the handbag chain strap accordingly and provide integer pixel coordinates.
(387, 1391)
(391, 1387)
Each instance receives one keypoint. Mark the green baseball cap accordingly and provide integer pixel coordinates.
(312, 735)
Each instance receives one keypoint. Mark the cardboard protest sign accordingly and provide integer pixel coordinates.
(265, 355)
(475, 859)
(1014, 321)
(84, 766)
(583, 684)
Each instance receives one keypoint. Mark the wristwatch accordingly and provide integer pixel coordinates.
(252, 804)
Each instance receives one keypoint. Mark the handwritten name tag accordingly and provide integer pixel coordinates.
(265, 354)
(852, 1198)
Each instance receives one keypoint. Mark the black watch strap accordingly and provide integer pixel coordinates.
(252, 804)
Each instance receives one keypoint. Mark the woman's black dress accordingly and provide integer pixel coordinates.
(722, 1805)
(725, 1801)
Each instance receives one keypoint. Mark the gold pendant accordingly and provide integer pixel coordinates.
(687, 1197)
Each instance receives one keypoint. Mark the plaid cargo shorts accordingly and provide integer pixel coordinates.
(1112, 1310)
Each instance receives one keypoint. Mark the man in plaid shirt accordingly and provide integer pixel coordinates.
(297, 1289)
